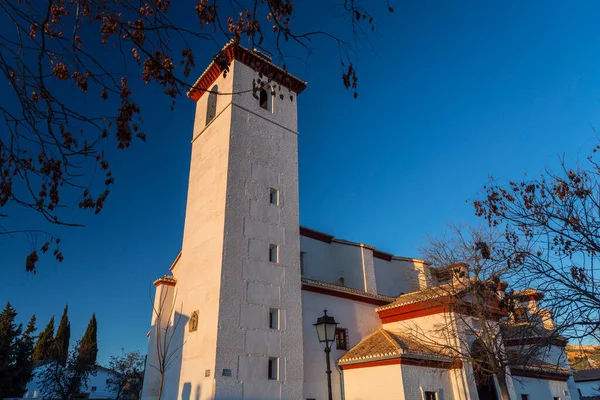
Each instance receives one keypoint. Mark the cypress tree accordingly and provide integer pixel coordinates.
(41, 351)
(23, 367)
(88, 347)
(60, 344)
(9, 333)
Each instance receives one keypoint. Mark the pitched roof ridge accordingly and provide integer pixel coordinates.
(395, 343)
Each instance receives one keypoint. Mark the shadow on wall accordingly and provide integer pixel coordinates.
(186, 392)
(173, 357)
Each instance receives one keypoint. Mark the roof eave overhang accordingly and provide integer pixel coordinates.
(233, 51)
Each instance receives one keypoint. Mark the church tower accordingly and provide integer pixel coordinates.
(233, 302)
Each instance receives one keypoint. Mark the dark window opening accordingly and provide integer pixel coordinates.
(430, 396)
(211, 104)
(341, 338)
(273, 253)
(273, 369)
(274, 196)
(274, 318)
(524, 397)
(302, 256)
(264, 99)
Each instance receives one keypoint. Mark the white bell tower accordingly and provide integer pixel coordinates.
(236, 283)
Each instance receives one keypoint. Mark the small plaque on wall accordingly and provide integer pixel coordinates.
(207, 373)
(226, 372)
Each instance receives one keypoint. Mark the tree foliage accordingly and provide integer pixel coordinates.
(42, 349)
(16, 348)
(66, 381)
(88, 347)
(129, 374)
(552, 228)
(68, 66)
(60, 345)
(65, 378)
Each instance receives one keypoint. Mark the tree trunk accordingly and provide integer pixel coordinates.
(504, 393)
(160, 388)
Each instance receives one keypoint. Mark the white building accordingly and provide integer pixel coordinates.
(249, 282)
(96, 386)
(588, 384)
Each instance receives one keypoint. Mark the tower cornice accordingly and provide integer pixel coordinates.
(253, 59)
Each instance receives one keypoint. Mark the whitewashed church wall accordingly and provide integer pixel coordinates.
(318, 261)
(336, 263)
(349, 264)
(418, 380)
(396, 276)
(382, 382)
(359, 318)
(430, 329)
(348, 261)
(541, 389)
(553, 354)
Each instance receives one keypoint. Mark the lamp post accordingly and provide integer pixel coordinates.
(326, 332)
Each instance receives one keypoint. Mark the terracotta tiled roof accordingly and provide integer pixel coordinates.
(166, 279)
(537, 365)
(587, 375)
(235, 51)
(528, 330)
(529, 293)
(344, 289)
(426, 294)
(387, 344)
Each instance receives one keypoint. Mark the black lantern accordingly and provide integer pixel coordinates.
(326, 333)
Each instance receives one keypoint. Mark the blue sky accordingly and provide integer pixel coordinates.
(452, 92)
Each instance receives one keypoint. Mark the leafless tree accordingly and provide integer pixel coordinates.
(166, 324)
(478, 325)
(67, 93)
(552, 227)
(128, 374)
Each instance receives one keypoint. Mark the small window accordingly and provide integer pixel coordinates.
(428, 395)
(274, 318)
(93, 388)
(274, 197)
(341, 338)
(521, 315)
(524, 397)
(302, 256)
(273, 253)
(264, 99)
(274, 369)
(211, 104)
(556, 398)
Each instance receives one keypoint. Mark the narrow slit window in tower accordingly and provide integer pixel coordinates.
(273, 253)
(211, 104)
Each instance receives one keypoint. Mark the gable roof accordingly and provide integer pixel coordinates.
(387, 344)
(431, 293)
(587, 375)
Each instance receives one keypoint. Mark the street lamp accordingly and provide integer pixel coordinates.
(326, 332)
